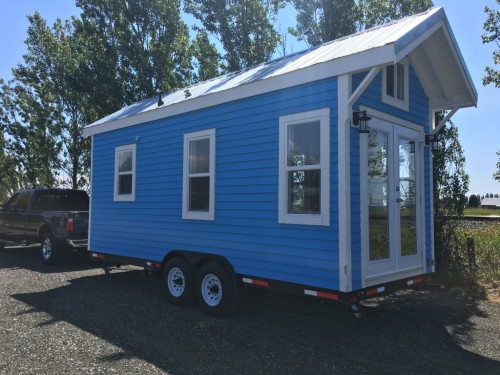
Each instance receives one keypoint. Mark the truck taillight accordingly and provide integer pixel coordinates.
(69, 225)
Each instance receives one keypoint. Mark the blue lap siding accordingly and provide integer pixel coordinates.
(245, 229)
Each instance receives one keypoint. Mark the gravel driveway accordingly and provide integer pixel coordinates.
(74, 319)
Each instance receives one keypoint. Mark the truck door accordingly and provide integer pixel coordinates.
(18, 217)
(5, 217)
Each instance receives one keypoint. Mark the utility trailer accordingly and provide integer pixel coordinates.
(308, 174)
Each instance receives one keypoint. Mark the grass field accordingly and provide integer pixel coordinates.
(481, 212)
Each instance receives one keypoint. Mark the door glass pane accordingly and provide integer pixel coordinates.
(378, 195)
(304, 144)
(407, 193)
(304, 192)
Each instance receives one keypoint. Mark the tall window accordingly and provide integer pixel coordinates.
(396, 85)
(305, 168)
(199, 175)
(125, 173)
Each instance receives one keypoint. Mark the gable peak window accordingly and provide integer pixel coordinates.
(396, 85)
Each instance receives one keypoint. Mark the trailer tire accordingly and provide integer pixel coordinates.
(216, 290)
(178, 282)
(50, 252)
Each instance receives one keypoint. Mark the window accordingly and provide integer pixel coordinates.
(396, 85)
(125, 173)
(304, 168)
(199, 175)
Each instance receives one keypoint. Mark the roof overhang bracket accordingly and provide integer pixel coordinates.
(363, 85)
(446, 118)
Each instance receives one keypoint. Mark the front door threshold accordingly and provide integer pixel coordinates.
(392, 276)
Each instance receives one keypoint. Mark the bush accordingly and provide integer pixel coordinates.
(470, 251)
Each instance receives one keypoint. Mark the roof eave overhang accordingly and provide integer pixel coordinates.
(435, 37)
(344, 65)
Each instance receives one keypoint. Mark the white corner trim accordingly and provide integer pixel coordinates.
(344, 184)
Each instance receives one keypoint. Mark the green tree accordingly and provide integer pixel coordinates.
(50, 80)
(243, 27)
(492, 35)
(30, 142)
(496, 175)
(378, 12)
(473, 201)
(9, 178)
(144, 44)
(319, 21)
(451, 184)
(206, 56)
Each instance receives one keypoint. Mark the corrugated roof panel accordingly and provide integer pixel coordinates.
(348, 46)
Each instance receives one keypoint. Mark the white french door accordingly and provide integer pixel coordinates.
(391, 204)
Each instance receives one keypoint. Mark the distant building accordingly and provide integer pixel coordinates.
(490, 203)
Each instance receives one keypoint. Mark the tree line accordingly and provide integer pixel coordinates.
(117, 52)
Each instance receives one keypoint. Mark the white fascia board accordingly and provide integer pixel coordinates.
(419, 33)
(348, 64)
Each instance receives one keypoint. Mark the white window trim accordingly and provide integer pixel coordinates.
(125, 197)
(395, 102)
(323, 218)
(197, 215)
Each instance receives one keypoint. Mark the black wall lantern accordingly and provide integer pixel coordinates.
(360, 118)
(432, 140)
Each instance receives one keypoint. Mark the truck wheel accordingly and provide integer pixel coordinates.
(49, 250)
(178, 282)
(216, 290)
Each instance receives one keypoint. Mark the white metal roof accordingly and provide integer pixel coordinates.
(426, 39)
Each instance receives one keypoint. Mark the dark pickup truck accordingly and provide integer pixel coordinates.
(57, 219)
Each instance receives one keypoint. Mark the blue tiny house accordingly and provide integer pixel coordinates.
(311, 173)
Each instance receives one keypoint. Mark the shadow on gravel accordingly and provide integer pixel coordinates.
(414, 332)
(28, 257)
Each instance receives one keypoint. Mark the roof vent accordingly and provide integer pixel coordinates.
(187, 94)
(160, 102)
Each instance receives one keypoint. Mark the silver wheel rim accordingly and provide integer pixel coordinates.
(211, 290)
(46, 249)
(175, 282)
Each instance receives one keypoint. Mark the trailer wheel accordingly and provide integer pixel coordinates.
(51, 254)
(178, 282)
(216, 290)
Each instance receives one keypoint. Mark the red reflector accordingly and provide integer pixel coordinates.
(255, 282)
(371, 292)
(315, 293)
(98, 256)
(69, 225)
(414, 281)
(328, 296)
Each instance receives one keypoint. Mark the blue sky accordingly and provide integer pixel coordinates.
(479, 128)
